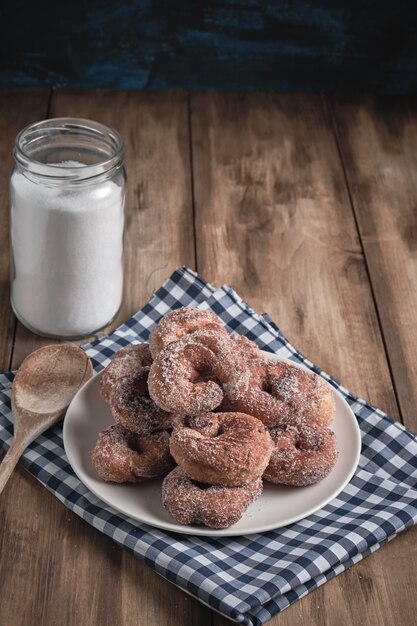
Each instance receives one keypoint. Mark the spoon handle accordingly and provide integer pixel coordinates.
(10, 461)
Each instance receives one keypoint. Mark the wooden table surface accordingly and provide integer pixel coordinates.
(307, 205)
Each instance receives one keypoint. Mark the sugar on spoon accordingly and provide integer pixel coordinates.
(42, 389)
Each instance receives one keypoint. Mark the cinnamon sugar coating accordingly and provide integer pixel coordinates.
(256, 364)
(250, 351)
(213, 506)
(192, 375)
(282, 393)
(122, 456)
(272, 422)
(228, 449)
(124, 386)
(125, 362)
(302, 455)
(173, 326)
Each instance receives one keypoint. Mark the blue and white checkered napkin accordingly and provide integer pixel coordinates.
(248, 578)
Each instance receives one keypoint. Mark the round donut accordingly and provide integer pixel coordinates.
(173, 326)
(210, 505)
(121, 456)
(124, 387)
(302, 455)
(229, 449)
(283, 393)
(192, 375)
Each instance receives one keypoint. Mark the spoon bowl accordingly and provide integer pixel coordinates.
(42, 389)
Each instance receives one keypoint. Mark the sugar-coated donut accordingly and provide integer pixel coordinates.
(210, 505)
(283, 394)
(181, 322)
(192, 375)
(124, 386)
(307, 393)
(122, 456)
(250, 350)
(221, 448)
(302, 455)
(271, 420)
(256, 364)
(124, 363)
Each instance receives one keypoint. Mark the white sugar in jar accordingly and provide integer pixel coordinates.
(67, 196)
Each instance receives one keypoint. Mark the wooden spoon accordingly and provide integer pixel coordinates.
(42, 389)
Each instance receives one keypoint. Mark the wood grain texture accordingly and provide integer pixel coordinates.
(82, 577)
(52, 564)
(17, 109)
(378, 144)
(273, 219)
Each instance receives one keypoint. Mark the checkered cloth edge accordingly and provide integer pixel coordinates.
(249, 578)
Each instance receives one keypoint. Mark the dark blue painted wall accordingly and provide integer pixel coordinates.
(218, 44)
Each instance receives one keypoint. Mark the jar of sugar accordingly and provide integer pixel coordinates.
(67, 194)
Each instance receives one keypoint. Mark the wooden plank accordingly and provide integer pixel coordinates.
(18, 107)
(273, 218)
(378, 145)
(84, 577)
(48, 553)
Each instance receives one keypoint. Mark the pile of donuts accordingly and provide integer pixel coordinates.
(208, 411)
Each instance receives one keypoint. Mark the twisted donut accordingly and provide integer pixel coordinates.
(281, 394)
(181, 322)
(191, 375)
(229, 449)
(122, 456)
(210, 505)
(302, 455)
(123, 386)
(256, 363)
(250, 350)
(125, 362)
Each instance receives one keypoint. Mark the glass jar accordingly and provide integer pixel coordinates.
(67, 194)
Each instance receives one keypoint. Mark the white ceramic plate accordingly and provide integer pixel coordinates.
(278, 506)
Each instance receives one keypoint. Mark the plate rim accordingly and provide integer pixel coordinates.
(202, 530)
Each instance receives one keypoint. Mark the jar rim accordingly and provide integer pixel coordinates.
(59, 127)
